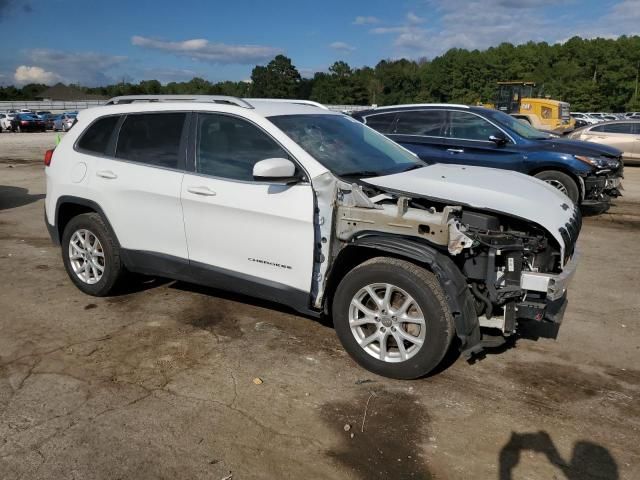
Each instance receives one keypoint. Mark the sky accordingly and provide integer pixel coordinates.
(97, 42)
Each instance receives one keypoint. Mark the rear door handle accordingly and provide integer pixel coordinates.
(455, 150)
(205, 191)
(106, 174)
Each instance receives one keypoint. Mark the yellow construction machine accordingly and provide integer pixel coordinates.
(517, 99)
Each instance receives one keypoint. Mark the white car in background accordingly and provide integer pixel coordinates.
(5, 121)
(585, 117)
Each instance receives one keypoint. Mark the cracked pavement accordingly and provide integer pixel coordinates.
(158, 382)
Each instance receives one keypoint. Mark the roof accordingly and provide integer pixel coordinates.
(214, 103)
(413, 106)
(261, 107)
(63, 92)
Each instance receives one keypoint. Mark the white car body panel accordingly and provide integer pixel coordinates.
(492, 189)
(259, 229)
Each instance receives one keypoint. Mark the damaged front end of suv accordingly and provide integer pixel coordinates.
(498, 267)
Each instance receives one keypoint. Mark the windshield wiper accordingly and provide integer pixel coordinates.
(412, 167)
(361, 173)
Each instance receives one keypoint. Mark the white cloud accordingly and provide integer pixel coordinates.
(31, 74)
(206, 51)
(365, 20)
(414, 19)
(479, 24)
(86, 68)
(342, 47)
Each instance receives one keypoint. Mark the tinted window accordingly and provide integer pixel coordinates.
(467, 126)
(381, 122)
(425, 122)
(152, 138)
(229, 147)
(614, 128)
(96, 137)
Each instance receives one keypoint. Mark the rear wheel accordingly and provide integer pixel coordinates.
(392, 318)
(562, 182)
(91, 255)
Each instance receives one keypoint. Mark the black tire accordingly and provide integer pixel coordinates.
(554, 178)
(113, 267)
(427, 292)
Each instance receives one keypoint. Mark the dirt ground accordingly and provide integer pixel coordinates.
(158, 383)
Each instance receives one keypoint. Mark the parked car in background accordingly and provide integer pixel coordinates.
(632, 115)
(585, 118)
(622, 134)
(43, 114)
(588, 173)
(49, 119)
(5, 122)
(64, 122)
(25, 122)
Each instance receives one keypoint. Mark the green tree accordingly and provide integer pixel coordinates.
(279, 79)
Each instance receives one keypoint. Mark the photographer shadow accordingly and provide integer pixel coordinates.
(588, 460)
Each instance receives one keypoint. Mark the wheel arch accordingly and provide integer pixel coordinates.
(454, 284)
(68, 207)
(556, 168)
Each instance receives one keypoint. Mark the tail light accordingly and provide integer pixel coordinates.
(24, 122)
(48, 155)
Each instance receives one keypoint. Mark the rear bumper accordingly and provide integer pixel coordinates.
(53, 231)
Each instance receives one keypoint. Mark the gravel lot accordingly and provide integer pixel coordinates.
(158, 383)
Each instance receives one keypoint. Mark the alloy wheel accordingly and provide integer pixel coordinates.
(86, 256)
(387, 322)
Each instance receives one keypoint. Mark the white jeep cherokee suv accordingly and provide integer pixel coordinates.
(290, 202)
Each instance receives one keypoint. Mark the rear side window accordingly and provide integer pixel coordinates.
(430, 123)
(151, 138)
(96, 138)
(383, 123)
(614, 128)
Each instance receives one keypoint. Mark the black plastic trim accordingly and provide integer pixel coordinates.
(79, 201)
(152, 263)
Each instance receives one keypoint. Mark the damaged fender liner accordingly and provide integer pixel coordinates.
(451, 279)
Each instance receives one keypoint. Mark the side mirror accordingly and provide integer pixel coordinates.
(279, 170)
(499, 139)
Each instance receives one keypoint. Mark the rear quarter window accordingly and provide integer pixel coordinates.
(96, 138)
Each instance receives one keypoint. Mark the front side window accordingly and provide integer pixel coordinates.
(430, 123)
(151, 138)
(345, 146)
(96, 137)
(229, 147)
(382, 122)
(467, 126)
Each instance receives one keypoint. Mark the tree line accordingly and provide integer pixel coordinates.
(591, 74)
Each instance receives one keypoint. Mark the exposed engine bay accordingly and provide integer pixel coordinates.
(506, 261)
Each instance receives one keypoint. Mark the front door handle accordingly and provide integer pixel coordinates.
(108, 174)
(205, 191)
(455, 150)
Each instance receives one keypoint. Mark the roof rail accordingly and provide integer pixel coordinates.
(290, 100)
(424, 105)
(126, 99)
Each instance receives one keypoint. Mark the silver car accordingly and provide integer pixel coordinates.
(621, 134)
(64, 122)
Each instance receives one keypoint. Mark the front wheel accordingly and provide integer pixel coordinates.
(392, 317)
(562, 182)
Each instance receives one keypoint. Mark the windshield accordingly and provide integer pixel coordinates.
(346, 146)
(521, 128)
